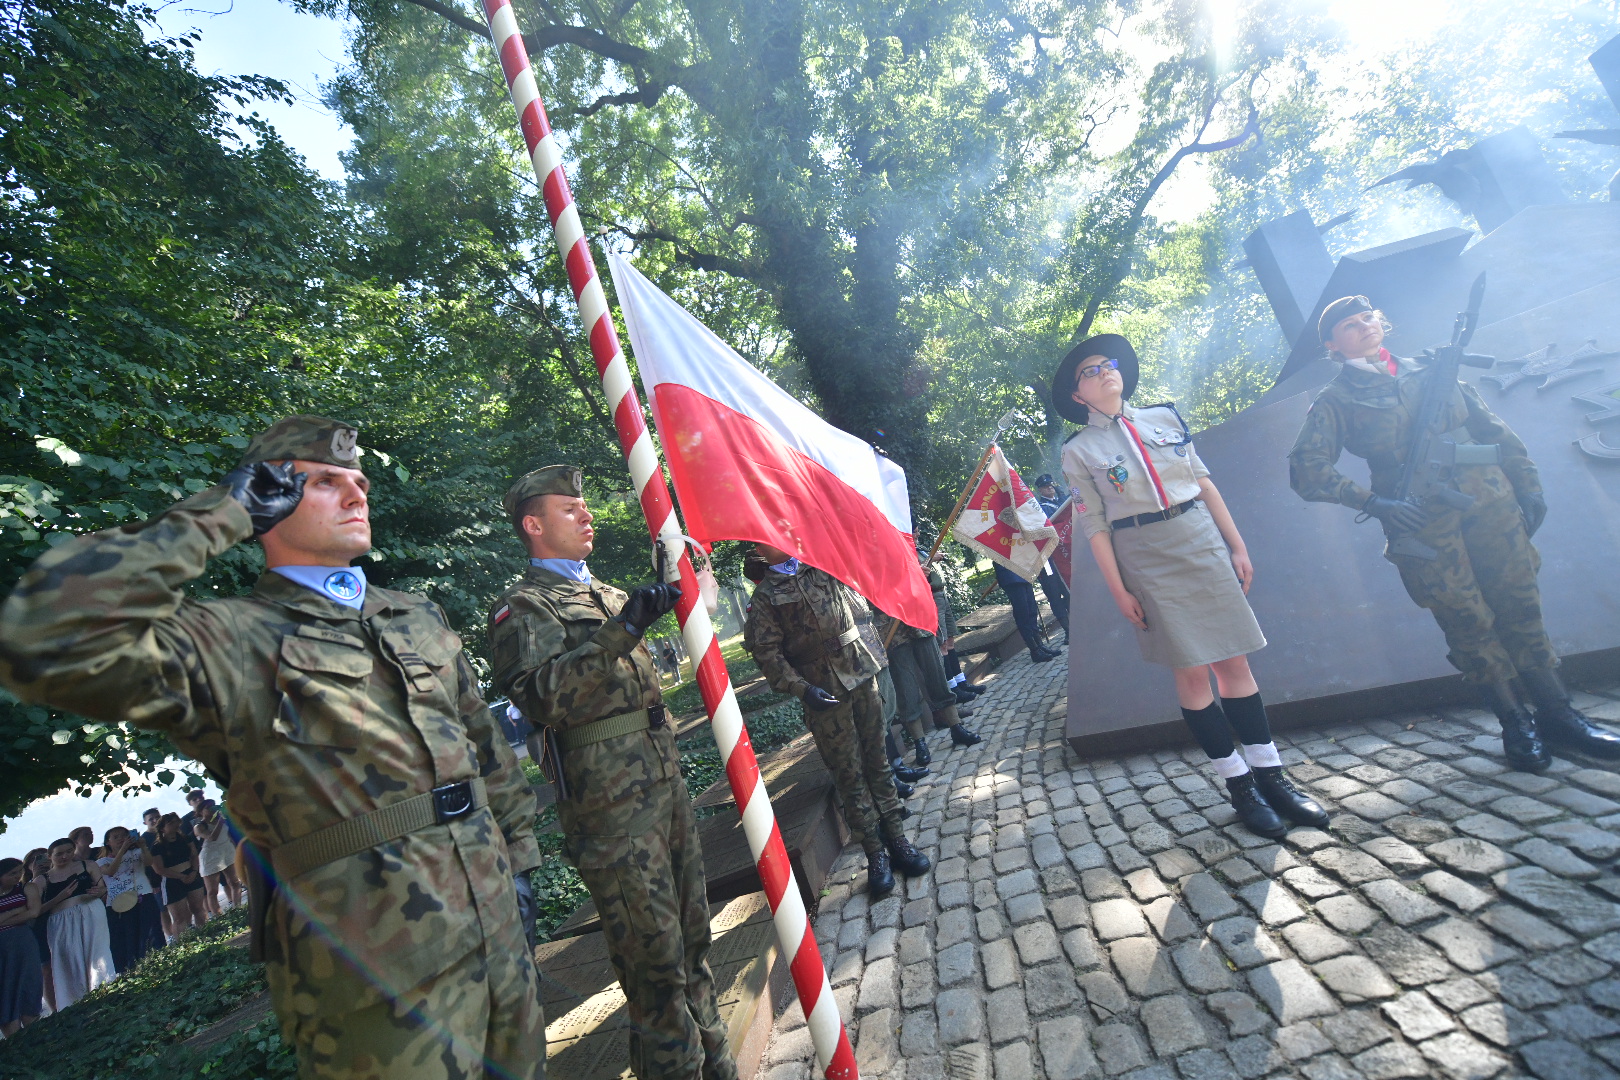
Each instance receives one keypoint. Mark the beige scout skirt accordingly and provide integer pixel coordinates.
(1181, 572)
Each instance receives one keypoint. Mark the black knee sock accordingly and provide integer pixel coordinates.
(1209, 728)
(1247, 716)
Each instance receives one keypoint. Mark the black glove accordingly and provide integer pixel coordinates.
(528, 911)
(818, 700)
(646, 604)
(1534, 508)
(1397, 513)
(269, 493)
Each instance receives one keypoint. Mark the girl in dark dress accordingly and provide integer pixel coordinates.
(182, 885)
(21, 983)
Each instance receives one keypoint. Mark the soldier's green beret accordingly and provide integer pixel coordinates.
(306, 438)
(1338, 311)
(551, 480)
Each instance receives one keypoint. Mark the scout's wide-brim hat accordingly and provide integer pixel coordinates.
(1111, 346)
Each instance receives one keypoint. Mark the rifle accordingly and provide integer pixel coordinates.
(1433, 455)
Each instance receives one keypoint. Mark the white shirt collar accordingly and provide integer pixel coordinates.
(344, 585)
(572, 569)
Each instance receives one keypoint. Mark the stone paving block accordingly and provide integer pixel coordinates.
(1047, 852)
(1436, 774)
(1409, 960)
(1145, 965)
(1569, 968)
(1169, 919)
(1272, 903)
(1589, 840)
(1037, 943)
(1238, 871)
(990, 925)
(1581, 802)
(1272, 859)
(1390, 1061)
(1601, 781)
(1105, 995)
(1502, 1024)
(1051, 988)
(955, 895)
(1469, 947)
(1496, 830)
(913, 946)
(1405, 791)
(1066, 1049)
(1026, 907)
(1014, 1062)
(1524, 929)
(1000, 960)
(1338, 787)
(1556, 859)
(1355, 978)
(1351, 867)
(847, 968)
(985, 894)
(1005, 862)
(1301, 1040)
(1462, 1057)
(1579, 1022)
(1202, 966)
(1210, 846)
(958, 963)
(1417, 1016)
(1014, 884)
(960, 1018)
(1469, 857)
(1208, 900)
(1373, 806)
(1176, 863)
(1403, 905)
(1145, 885)
(1346, 914)
(881, 943)
(1102, 884)
(1117, 919)
(1059, 881)
(876, 1048)
(1558, 1059)
(1310, 883)
(1126, 858)
(1525, 810)
(1244, 943)
(1415, 829)
(1314, 942)
(1398, 855)
(1172, 1025)
(1291, 992)
(1355, 1030)
(1205, 1064)
(1241, 1013)
(1565, 902)
(1008, 1015)
(917, 986)
(1070, 911)
(1454, 890)
(1458, 994)
(1118, 1048)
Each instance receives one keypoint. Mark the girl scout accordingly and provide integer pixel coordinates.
(1177, 567)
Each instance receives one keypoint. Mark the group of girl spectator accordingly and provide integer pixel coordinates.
(73, 916)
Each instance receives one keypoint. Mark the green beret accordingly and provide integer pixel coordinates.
(551, 480)
(306, 438)
(1341, 309)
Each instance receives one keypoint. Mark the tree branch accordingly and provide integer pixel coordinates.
(466, 22)
(698, 260)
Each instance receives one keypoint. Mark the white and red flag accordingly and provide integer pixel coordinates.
(1004, 520)
(752, 462)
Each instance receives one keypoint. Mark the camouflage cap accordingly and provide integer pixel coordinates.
(306, 438)
(551, 480)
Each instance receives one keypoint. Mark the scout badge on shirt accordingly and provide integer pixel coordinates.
(343, 584)
(1117, 476)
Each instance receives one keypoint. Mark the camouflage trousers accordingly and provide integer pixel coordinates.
(850, 740)
(919, 682)
(643, 865)
(479, 1018)
(1482, 590)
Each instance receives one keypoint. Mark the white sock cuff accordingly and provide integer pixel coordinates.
(1264, 756)
(957, 678)
(1231, 765)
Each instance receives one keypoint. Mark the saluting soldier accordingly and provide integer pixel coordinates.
(803, 629)
(1481, 587)
(345, 725)
(568, 650)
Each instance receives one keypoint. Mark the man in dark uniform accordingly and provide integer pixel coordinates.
(1057, 593)
(345, 724)
(803, 630)
(1481, 585)
(568, 650)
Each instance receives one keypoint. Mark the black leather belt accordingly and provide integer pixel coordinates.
(1148, 519)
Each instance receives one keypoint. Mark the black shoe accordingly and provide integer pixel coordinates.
(1038, 655)
(903, 789)
(1289, 802)
(962, 736)
(962, 696)
(1252, 808)
(879, 878)
(973, 688)
(905, 773)
(907, 859)
(905, 811)
(1521, 741)
(1560, 722)
(922, 756)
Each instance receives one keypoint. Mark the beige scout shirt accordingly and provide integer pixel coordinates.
(1104, 467)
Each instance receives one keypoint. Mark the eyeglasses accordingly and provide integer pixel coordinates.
(1097, 369)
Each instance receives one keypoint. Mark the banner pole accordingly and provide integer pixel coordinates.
(834, 1053)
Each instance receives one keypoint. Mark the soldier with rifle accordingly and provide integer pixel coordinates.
(1459, 499)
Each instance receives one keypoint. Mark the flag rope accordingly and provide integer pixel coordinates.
(833, 1051)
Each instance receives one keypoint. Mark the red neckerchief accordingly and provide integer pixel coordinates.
(1153, 474)
(1388, 361)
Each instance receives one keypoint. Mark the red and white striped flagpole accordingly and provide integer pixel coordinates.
(833, 1051)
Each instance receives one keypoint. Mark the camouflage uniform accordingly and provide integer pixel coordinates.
(803, 630)
(1481, 588)
(404, 960)
(628, 822)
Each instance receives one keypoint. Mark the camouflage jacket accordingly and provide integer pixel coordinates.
(803, 630)
(942, 604)
(1370, 415)
(306, 712)
(560, 657)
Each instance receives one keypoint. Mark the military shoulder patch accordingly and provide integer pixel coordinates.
(500, 614)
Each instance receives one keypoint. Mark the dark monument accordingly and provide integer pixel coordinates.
(1344, 637)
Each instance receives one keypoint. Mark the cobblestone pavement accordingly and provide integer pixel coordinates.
(1108, 918)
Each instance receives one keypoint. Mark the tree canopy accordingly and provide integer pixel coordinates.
(904, 213)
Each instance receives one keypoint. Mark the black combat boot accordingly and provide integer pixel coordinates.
(1521, 744)
(879, 878)
(973, 688)
(905, 773)
(903, 789)
(961, 735)
(1038, 655)
(907, 859)
(922, 756)
(1288, 800)
(962, 696)
(1252, 808)
(1560, 722)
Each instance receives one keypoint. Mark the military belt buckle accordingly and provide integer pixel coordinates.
(655, 716)
(452, 801)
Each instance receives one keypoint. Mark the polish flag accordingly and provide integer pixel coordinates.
(751, 462)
